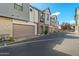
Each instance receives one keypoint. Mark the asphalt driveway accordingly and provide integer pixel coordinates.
(58, 44)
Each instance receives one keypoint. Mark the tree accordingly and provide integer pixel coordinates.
(66, 26)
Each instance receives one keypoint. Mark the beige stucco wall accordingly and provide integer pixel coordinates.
(18, 21)
(6, 26)
(50, 29)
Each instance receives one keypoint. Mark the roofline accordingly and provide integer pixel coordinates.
(48, 9)
(39, 9)
(35, 8)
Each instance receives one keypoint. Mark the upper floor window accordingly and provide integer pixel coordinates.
(47, 16)
(30, 9)
(18, 6)
(42, 17)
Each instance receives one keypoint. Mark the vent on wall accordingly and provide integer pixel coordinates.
(12, 15)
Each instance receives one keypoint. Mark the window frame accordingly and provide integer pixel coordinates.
(16, 4)
(42, 17)
(31, 9)
(48, 17)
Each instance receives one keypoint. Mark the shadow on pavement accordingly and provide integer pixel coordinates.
(71, 36)
(40, 48)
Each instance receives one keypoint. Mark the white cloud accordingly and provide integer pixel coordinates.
(73, 21)
(56, 13)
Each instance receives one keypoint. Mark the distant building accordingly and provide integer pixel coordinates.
(77, 20)
(53, 23)
(37, 17)
(47, 13)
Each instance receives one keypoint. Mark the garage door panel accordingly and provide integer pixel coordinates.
(23, 30)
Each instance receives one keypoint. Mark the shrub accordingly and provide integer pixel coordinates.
(46, 32)
(0, 39)
(11, 39)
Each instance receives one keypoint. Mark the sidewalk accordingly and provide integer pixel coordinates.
(69, 45)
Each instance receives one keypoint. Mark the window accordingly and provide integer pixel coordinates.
(31, 10)
(42, 17)
(18, 6)
(41, 29)
(47, 16)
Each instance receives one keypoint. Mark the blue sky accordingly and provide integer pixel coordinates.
(67, 10)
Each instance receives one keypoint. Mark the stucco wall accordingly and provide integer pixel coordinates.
(5, 26)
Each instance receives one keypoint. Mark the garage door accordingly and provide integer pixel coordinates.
(20, 30)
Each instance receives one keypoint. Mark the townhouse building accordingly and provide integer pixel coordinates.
(37, 17)
(14, 20)
(22, 20)
(33, 17)
(53, 23)
(77, 20)
(41, 24)
(42, 19)
(47, 18)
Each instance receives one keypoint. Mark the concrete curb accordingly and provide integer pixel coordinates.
(25, 41)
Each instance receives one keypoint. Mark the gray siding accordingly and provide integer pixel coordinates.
(8, 10)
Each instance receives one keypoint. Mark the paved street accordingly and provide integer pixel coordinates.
(58, 44)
